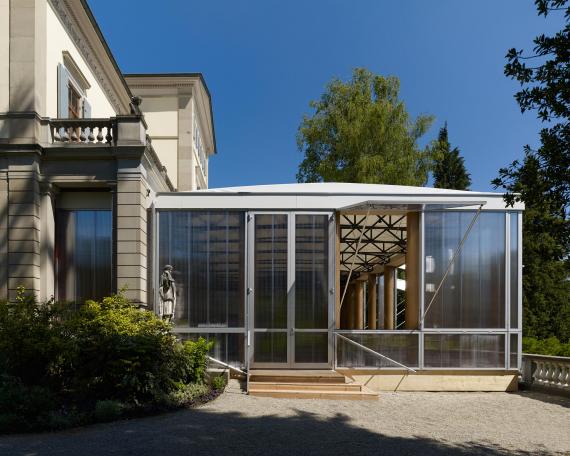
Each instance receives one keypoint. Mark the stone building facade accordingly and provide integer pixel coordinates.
(81, 156)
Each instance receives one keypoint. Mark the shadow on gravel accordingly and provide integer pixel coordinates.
(562, 399)
(207, 432)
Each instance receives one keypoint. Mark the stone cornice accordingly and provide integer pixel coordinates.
(85, 34)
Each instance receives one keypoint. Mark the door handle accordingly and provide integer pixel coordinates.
(291, 331)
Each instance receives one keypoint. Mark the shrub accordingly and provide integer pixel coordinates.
(108, 410)
(219, 383)
(60, 366)
(551, 346)
(185, 395)
(196, 359)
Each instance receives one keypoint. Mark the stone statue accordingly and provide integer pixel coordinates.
(167, 293)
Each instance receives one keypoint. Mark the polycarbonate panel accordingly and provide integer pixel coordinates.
(270, 276)
(270, 347)
(311, 271)
(228, 347)
(514, 351)
(311, 347)
(514, 269)
(473, 292)
(84, 254)
(464, 350)
(402, 348)
(207, 251)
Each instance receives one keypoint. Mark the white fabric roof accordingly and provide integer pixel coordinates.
(343, 188)
(329, 195)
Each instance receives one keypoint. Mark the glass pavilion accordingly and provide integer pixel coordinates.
(340, 275)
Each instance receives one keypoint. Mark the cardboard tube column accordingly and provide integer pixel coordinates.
(389, 286)
(372, 301)
(412, 312)
(359, 304)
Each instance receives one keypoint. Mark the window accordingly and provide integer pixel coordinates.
(472, 295)
(207, 251)
(83, 254)
(74, 103)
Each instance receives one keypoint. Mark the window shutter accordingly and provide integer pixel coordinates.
(62, 92)
(86, 109)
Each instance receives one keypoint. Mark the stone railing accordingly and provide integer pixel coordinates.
(83, 131)
(548, 372)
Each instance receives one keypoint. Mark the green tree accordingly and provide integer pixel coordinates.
(541, 179)
(361, 132)
(449, 167)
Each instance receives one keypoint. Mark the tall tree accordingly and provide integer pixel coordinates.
(542, 178)
(449, 167)
(361, 132)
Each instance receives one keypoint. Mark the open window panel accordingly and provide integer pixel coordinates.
(374, 258)
(379, 264)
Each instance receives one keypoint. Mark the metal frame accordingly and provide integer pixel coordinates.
(247, 330)
(290, 330)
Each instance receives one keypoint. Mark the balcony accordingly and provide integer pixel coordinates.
(83, 131)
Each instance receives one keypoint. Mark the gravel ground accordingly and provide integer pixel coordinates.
(399, 424)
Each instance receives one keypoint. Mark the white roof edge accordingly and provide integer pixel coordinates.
(340, 188)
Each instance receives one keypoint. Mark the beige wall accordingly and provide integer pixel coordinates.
(4, 55)
(167, 151)
(58, 41)
(161, 115)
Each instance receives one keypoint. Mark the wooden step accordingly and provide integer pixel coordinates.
(295, 386)
(316, 394)
(295, 376)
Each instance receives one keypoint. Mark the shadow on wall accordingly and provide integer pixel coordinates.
(202, 431)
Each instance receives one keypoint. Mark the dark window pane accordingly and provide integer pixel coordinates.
(514, 351)
(207, 251)
(270, 347)
(270, 288)
(83, 254)
(473, 292)
(311, 271)
(464, 350)
(514, 259)
(311, 347)
(402, 348)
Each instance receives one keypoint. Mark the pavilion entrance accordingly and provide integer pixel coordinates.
(290, 289)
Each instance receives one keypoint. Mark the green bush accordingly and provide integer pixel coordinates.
(60, 365)
(108, 410)
(219, 383)
(185, 395)
(551, 346)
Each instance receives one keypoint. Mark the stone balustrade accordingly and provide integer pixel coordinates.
(549, 372)
(83, 131)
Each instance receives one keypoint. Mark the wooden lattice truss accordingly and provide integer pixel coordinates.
(383, 236)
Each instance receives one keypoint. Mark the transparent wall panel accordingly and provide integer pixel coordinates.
(84, 255)
(207, 251)
(473, 292)
(270, 347)
(402, 348)
(514, 269)
(464, 350)
(514, 351)
(270, 277)
(311, 271)
(228, 347)
(311, 347)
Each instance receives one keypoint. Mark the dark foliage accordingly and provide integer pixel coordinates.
(62, 367)
(542, 178)
(449, 167)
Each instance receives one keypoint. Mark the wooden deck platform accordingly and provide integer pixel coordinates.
(306, 384)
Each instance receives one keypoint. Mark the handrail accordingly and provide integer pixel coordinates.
(227, 365)
(369, 350)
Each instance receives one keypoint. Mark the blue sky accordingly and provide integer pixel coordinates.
(264, 61)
